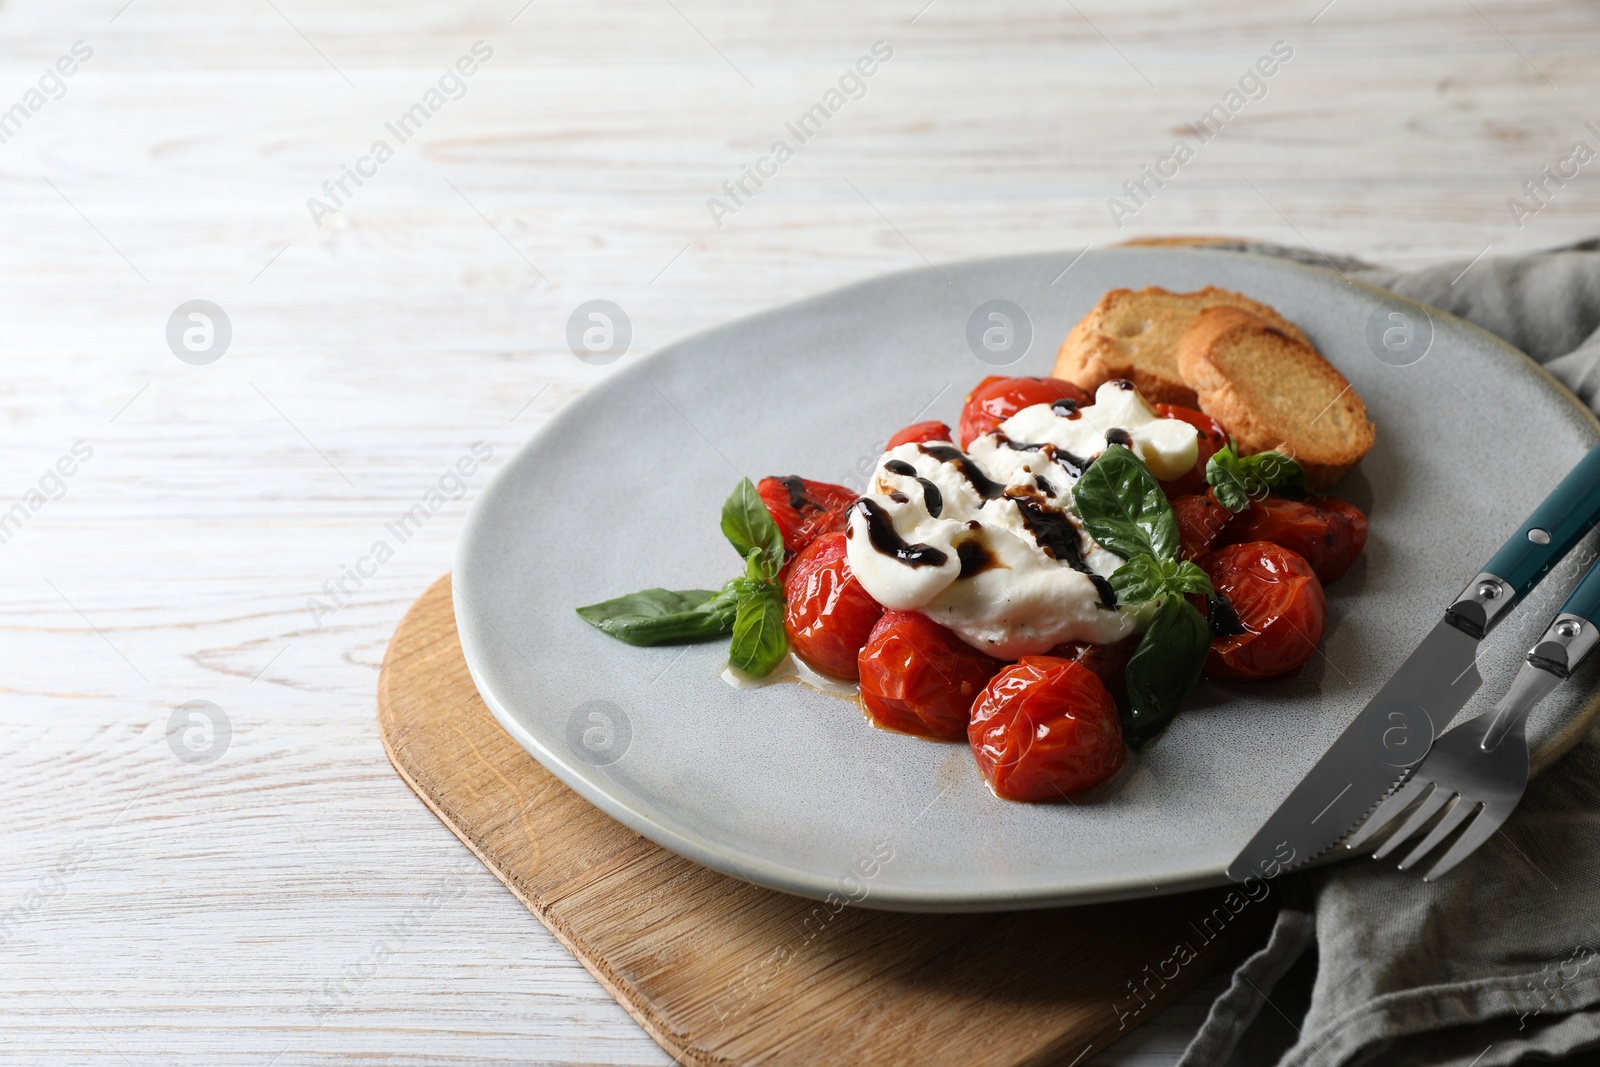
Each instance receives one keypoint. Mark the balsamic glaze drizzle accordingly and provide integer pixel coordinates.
(1221, 617)
(981, 483)
(975, 558)
(1118, 436)
(1016, 446)
(796, 487)
(1067, 409)
(931, 497)
(887, 540)
(1058, 538)
(1075, 464)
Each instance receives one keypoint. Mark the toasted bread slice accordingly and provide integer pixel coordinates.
(1133, 334)
(1272, 390)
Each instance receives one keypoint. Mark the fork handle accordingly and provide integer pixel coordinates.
(1575, 631)
(1585, 600)
(1563, 517)
(1565, 645)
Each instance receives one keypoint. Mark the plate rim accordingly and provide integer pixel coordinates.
(735, 861)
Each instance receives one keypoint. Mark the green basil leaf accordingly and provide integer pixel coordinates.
(1164, 667)
(759, 642)
(755, 570)
(1283, 472)
(1189, 578)
(1236, 480)
(1144, 578)
(662, 616)
(1123, 508)
(1229, 491)
(748, 526)
(1138, 580)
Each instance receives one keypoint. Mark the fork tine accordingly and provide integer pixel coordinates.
(1419, 818)
(1462, 810)
(1482, 828)
(1397, 802)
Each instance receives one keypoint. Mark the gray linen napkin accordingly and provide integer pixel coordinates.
(1500, 962)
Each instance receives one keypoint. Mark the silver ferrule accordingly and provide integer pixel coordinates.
(1564, 645)
(1484, 602)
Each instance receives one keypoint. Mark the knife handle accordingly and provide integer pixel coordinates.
(1564, 516)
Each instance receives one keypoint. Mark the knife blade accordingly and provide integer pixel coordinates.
(1398, 725)
(1375, 752)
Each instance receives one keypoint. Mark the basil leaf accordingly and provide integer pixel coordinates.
(748, 526)
(1163, 668)
(1189, 578)
(1228, 480)
(1145, 578)
(1123, 508)
(759, 642)
(661, 616)
(1236, 480)
(1138, 580)
(755, 571)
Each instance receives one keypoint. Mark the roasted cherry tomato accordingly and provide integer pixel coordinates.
(918, 432)
(1327, 531)
(1211, 441)
(1280, 607)
(919, 678)
(1347, 542)
(1201, 520)
(804, 509)
(1109, 662)
(996, 399)
(828, 616)
(1045, 729)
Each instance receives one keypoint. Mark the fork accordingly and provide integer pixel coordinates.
(1476, 772)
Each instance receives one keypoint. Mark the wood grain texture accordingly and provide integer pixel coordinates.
(218, 902)
(721, 972)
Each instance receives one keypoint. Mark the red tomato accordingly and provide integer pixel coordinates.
(828, 616)
(1045, 729)
(1211, 440)
(919, 678)
(996, 399)
(1201, 520)
(1327, 531)
(918, 432)
(1109, 662)
(1280, 606)
(1347, 525)
(804, 509)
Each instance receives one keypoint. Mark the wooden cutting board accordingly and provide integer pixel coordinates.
(724, 973)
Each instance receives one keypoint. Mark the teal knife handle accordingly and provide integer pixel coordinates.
(1568, 513)
(1585, 600)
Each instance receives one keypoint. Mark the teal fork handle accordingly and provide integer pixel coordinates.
(1564, 516)
(1585, 599)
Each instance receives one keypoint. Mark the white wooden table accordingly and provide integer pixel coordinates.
(276, 895)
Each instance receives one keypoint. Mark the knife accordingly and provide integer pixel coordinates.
(1397, 727)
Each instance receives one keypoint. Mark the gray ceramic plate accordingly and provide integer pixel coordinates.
(792, 789)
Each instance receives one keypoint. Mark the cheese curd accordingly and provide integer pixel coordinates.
(988, 542)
